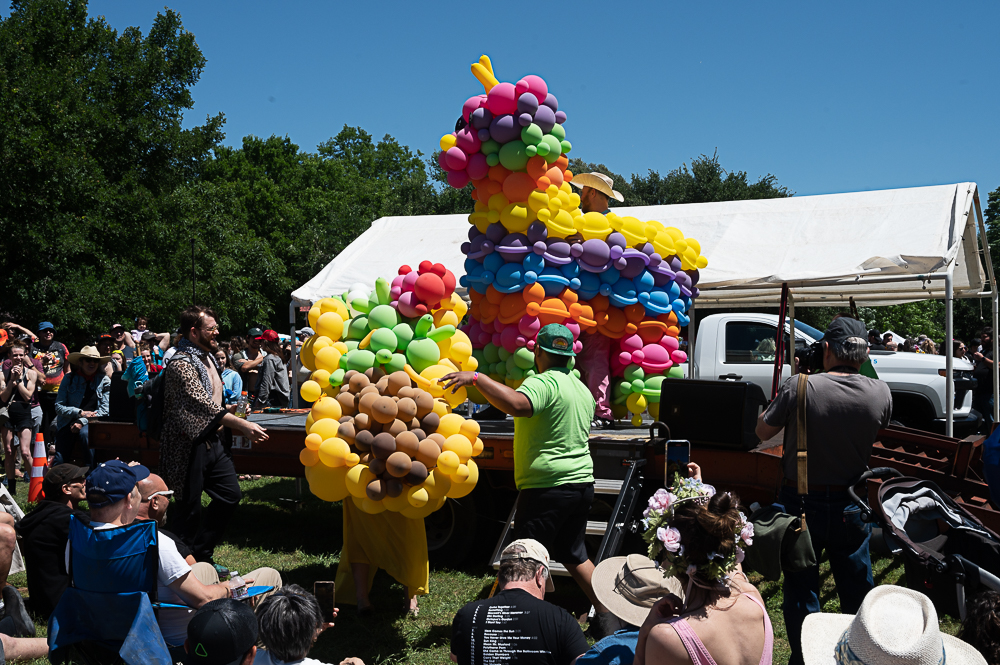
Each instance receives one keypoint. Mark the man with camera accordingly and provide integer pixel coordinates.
(844, 412)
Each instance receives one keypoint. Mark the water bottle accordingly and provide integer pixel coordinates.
(241, 405)
(237, 584)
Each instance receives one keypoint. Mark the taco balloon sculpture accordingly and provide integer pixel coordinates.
(534, 258)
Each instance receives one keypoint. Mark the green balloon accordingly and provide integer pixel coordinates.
(422, 353)
(513, 155)
(492, 159)
(382, 316)
(360, 360)
(396, 364)
(676, 372)
(383, 339)
(566, 146)
(351, 344)
(489, 147)
(359, 328)
(632, 373)
(555, 148)
(530, 151)
(503, 354)
(337, 377)
(532, 134)
(382, 356)
(524, 358)
(542, 149)
(558, 131)
(638, 385)
(491, 353)
(404, 333)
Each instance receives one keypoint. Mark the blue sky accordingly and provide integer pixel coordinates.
(828, 97)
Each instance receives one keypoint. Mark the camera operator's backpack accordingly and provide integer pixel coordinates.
(155, 390)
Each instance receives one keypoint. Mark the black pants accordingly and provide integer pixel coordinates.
(211, 471)
(557, 518)
(47, 400)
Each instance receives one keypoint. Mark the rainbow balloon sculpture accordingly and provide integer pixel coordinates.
(534, 258)
(381, 429)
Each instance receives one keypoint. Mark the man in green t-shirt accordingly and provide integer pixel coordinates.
(552, 466)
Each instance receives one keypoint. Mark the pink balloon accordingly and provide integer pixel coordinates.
(468, 140)
(655, 359)
(496, 340)
(478, 168)
(471, 104)
(456, 159)
(458, 179)
(574, 328)
(679, 357)
(409, 279)
(669, 343)
(502, 99)
(533, 84)
(529, 325)
(443, 161)
(511, 339)
(577, 346)
(407, 305)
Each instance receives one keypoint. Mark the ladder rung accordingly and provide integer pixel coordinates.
(607, 486)
(596, 528)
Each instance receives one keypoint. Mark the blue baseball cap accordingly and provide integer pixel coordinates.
(112, 481)
(45, 325)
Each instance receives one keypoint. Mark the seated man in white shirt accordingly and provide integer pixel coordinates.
(114, 498)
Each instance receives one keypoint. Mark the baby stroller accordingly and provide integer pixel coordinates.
(949, 554)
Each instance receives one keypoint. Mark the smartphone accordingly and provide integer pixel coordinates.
(325, 593)
(678, 456)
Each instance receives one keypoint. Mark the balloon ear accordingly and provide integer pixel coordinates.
(382, 289)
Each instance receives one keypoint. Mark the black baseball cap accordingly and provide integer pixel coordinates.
(220, 633)
(148, 336)
(59, 475)
(875, 332)
(254, 333)
(843, 328)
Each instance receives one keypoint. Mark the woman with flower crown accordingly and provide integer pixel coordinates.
(696, 535)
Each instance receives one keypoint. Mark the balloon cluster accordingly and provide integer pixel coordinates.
(534, 257)
(381, 429)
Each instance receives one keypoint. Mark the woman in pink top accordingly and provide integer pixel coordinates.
(696, 534)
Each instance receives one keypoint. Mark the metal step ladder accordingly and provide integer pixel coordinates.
(613, 530)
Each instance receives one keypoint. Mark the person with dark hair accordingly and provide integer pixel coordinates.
(845, 410)
(192, 456)
(553, 470)
(958, 348)
(272, 386)
(53, 356)
(696, 533)
(517, 622)
(222, 632)
(981, 628)
(19, 381)
(982, 395)
(289, 621)
(247, 362)
(875, 342)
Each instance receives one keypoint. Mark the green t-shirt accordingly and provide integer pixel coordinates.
(552, 446)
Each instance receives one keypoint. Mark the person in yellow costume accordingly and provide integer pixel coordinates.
(388, 540)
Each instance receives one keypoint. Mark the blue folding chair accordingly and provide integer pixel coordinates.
(107, 612)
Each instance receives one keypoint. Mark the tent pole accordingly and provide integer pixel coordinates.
(996, 371)
(791, 332)
(949, 334)
(295, 357)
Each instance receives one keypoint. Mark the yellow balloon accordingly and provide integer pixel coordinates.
(423, 511)
(309, 421)
(636, 403)
(441, 408)
(448, 462)
(326, 407)
(459, 445)
(445, 317)
(437, 484)
(320, 342)
(333, 305)
(397, 504)
(470, 429)
(328, 358)
(308, 457)
(458, 490)
(369, 506)
(330, 324)
(340, 346)
(450, 424)
(417, 496)
(310, 391)
(461, 475)
(352, 459)
(314, 313)
(306, 356)
(358, 477)
(333, 452)
(322, 377)
(313, 441)
(326, 428)
(477, 447)
(327, 483)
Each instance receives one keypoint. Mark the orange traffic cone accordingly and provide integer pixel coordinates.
(38, 459)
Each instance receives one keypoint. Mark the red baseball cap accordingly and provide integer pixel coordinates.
(268, 336)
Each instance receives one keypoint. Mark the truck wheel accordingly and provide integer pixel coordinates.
(451, 531)
(913, 411)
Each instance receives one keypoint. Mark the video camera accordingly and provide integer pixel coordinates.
(811, 358)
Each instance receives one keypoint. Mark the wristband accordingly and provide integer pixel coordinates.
(475, 377)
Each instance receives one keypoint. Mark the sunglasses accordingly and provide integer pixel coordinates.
(160, 493)
(212, 329)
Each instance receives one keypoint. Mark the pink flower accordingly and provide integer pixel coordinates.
(739, 555)
(659, 502)
(747, 533)
(670, 537)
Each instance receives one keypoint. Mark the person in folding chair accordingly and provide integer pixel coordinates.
(119, 570)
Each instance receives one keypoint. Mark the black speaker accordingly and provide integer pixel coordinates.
(712, 414)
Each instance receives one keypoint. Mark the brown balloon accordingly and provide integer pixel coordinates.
(357, 382)
(346, 431)
(438, 439)
(346, 419)
(362, 421)
(429, 423)
(416, 475)
(376, 427)
(363, 440)
(348, 403)
(393, 487)
(374, 374)
(398, 380)
(395, 428)
(421, 434)
(398, 464)
(408, 443)
(375, 490)
(383, 385)
(348, 375)
(406, 391)
(376, 466)
(384, 410)
(384, 445)
(407, 408)
(425, 403)
(366, 402)
(370, 388)
(427, 453)
(366, 458)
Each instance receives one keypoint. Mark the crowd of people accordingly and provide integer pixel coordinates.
(686, 600)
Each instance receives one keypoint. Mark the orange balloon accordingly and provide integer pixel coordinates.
(537, 166)
(518, 187)
(555, 176)
(498, 173)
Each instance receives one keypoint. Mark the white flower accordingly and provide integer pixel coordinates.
(739, 555)
(746, 534)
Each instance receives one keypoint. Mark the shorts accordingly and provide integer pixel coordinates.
(20, 417)
(557, 518)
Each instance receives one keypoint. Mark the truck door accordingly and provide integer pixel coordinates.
(749, 354)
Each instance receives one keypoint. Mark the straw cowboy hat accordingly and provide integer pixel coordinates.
(629, 586)
(598, 181)
(88, 352)
(895, 626)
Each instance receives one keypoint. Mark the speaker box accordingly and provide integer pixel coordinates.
(712, 414)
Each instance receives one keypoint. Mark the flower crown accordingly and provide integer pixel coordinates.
(665, 540)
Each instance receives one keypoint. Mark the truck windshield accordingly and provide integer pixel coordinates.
(808, 329)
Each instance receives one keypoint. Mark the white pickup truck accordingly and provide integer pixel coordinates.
(740, 347)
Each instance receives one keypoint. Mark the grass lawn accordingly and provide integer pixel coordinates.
(303, 541)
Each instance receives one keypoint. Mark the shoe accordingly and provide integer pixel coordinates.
(221, 570)
(14, 608)
(602, 423)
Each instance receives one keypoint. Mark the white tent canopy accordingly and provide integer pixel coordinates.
(880, 247)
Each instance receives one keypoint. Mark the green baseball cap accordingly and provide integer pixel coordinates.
(556, 338)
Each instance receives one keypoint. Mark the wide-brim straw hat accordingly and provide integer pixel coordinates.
(895, 626)
(629, 586)
(88, 352)
(598, 181)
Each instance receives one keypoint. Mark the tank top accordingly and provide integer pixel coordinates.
(699, 654)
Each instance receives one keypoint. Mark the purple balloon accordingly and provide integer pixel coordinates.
(555, 251)
(513, 247)
(635, 263)
(560, 117)
(694, 275)
(551, 102)
(496, 232)
(474, 232)
(545, 118)
(484, 135)
(675, 263)
(537, 231)
(617, 240)
(524, 119)
(593, 255)
(527, 103)
(504, 129)
(481, 118)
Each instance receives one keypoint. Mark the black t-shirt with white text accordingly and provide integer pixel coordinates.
(515, 627)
